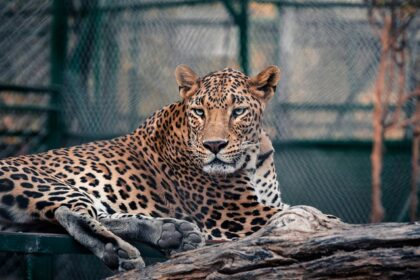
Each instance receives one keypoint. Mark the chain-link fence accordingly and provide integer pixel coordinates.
(122, 60)
(119, 61)
(120, 57)
(24, 60)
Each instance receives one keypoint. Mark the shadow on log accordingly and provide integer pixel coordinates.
(323, 249)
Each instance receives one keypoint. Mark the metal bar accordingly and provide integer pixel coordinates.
(58, 63)
(280, 145)
(166, 5)
(36, 243)
(325, 4)
(121, 8)
(328, 107)
(29, 267)
(232, 11)
(58, 43)
(8, 133)
(180, 22)
(150, 5)
(39, 267)
(243, 36)
(98, 69)
(31, 89)
(279, 36)
(29, 108)
(314, 125)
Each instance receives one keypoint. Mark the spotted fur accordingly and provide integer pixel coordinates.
(204, 159)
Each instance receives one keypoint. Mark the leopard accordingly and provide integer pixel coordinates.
(200, 169)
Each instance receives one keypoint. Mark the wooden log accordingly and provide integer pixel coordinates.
(285, 249)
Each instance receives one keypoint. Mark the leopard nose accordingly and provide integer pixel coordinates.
(215, 145)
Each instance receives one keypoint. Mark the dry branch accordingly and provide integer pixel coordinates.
(390, 25)
(377, 213)
(358, 252)
(415, 165)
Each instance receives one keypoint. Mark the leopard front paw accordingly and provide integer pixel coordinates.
(123, 258)
(178, 235)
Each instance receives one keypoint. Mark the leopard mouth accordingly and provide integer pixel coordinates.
(218, 166)
(219, 161)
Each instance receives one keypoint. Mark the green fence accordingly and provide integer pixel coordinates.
(32, 123)
(55, 256)
(111, 64)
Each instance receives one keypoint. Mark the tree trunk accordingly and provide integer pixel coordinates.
(286, 249)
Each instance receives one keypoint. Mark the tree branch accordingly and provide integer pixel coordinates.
(280, 250)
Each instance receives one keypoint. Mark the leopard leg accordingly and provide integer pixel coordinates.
(115, 252)
(45, 199)
(170, 235)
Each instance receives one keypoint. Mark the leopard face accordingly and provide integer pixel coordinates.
(224, 115)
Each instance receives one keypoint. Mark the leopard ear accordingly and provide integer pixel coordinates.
(264, 84)
(187, 80)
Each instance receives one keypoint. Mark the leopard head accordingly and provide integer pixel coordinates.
(224, 113)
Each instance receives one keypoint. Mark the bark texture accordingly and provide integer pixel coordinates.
(298, 245)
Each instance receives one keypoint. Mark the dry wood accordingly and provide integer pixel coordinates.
(377, 212)
(390, 25)
(279, 250)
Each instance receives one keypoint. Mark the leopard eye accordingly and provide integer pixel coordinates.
(238, 112)
(198, 112)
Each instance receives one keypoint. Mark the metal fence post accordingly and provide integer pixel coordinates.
(243, 36)
(58, 61)
(39, 267)
(240, 16)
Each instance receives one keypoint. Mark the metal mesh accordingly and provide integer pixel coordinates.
(337, 181)
(121, 56)
(24, 60)
(121, 64)
(68, 267)
(120, 61)
(24, 47)
(12, 266)
(329, 57)
(26, 130)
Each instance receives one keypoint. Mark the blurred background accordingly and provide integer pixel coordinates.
(76, 71)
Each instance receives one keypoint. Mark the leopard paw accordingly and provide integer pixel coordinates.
(117, 257)
(178, 235)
